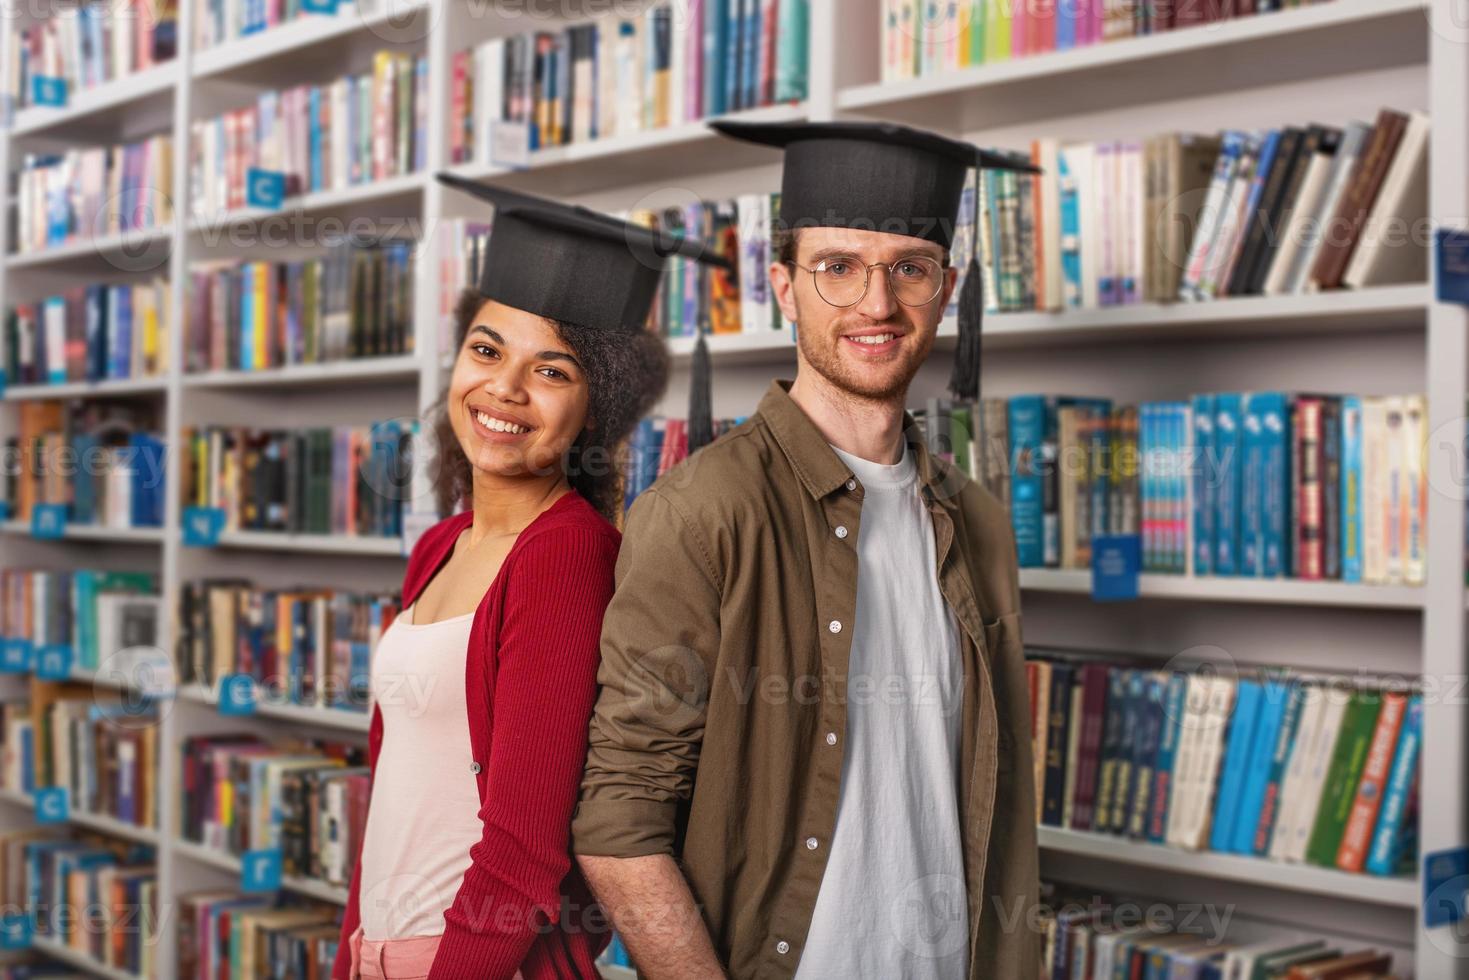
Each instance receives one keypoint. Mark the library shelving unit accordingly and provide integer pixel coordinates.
(1327, 62)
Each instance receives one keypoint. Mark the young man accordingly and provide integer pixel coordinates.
(810, 756)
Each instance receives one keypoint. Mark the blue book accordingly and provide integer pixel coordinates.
(1275, 696)
(1134, 707)
(314, 115)
(1027, 422)
(1204, 478)
(147, 502)
(716, 48)
(1252, 490)
(1351, 488)
(735, 61)
(1387, 837)
(247, 316)
(84, 492)
(750, 43)
(1229, 450)
(1107, 755)
(1275, 499)
(1145, 755)
(122, 332)
(791, 46)
(1178, 545)
(96, 332)
(1285, 743)
(1237, 753)
(1070, 233)
(1174, 697)
(1147, 485)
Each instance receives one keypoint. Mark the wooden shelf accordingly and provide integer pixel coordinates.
(100, 822)
(320, 890)
(111, 388)
(137, 250)
(1309, 879)
(363, 369)
(343, 719)
(85, 105)
(47, 946)
(1272, 591)
(376, 193)
(90, 532)
(255, 54)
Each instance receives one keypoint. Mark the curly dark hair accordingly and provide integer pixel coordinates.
(626, 370)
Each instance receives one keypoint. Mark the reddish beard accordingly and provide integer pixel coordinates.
(877, 381)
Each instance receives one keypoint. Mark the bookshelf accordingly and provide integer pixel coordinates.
(1331, 61)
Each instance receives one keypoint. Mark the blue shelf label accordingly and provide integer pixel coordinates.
(15, 656)
(48, 521)
(53, 662)
(48, 90)
(319, 6)
(202, 526)
(1445, 887)
(51, 804)
(265, 188)
(260, 870)
(16, 930)
(1115, 561)
(4, 504)
(237, 694)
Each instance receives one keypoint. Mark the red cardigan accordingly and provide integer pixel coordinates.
(530, 681)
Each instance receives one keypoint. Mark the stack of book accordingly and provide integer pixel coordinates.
(356, 130)
(656, 446)
(1272, 764)
(1192, 218)
(920, 38)
(92, 44)
(355, 301)
(80, 195)
(673, 63)
(103, 750)
(221, 21)
(56, 879)
(98, 614)
(1257, 484)
(89, 333)
(307, 799)
(1091, 937)
(353, 480)
(231, 934)
(103, 462)
(302, 647)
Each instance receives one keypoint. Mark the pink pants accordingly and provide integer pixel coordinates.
(394, 959)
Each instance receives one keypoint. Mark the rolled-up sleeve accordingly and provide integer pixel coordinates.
(660, 637)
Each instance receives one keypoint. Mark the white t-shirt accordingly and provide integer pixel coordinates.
(893, 902)
(424, 812)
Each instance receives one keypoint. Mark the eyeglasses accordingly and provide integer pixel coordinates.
(915, 279)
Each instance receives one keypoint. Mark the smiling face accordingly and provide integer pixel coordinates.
(873, 348)
(518, 396)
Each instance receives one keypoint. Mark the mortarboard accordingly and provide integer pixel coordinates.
(885, 177)
(571, 263)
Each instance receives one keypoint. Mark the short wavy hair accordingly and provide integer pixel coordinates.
(626, 371)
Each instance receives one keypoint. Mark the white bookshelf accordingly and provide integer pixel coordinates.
(1325, 62)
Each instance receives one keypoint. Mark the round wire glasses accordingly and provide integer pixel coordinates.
(914, 279)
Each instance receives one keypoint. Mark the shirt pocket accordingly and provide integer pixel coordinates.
(1006, 655)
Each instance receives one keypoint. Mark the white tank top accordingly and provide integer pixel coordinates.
(424, 812)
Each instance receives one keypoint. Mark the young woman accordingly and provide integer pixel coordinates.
(483, 686)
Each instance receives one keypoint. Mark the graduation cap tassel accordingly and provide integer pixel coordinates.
(701, 410)
(964, 382)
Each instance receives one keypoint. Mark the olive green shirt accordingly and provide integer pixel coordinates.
(717, 735)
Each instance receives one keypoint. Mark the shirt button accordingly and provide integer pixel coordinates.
(810, 843)
(851, 484)
(841, 531)
(835, 626)
(474, 768)
(831, 738)
(782, 947)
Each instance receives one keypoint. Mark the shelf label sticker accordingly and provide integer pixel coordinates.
(265, 188)
(51, 804)
(53, 662)
(319, 6)
(1115, 561)
(202, 526)
(48, 521)
(509, 143)
(260, 870)
(15, 656)
(48, 90)
(237, 695)
(1445, 887)
(16, 930)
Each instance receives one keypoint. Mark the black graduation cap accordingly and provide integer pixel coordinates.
(884, 177)
(571, 263)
